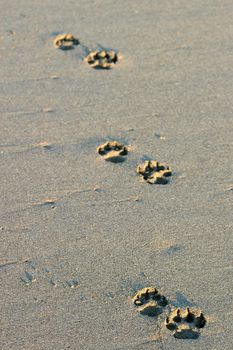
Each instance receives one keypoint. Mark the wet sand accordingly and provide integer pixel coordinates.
(79, 235)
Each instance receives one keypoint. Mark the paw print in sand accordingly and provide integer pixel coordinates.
(149, 302)
(154, 172)
(113, 151)
(185, 324)
(103, 59)
(65, 41)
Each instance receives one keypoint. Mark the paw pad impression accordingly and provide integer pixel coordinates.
(185, 324)
(154, 172)
(149, 302)
(65, 41)
(103, 59)
(113, 151)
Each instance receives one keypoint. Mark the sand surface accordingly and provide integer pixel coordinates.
(67, 215)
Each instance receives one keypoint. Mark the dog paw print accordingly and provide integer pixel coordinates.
(185, 324)
(113, 151)
(65, 41)
(154, 172)
(103, 59)
(149, 302)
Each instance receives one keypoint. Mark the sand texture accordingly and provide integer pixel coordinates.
(79, 236)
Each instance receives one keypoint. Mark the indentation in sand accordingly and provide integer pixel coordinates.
(113, 151)
(149, 301)
(185, 324)
(103, 59)
(71, 283)
(43, 275)
(28, 278)
(48, 202)
(44, 145)
(47, 110)
(154, 172)
(65, 41)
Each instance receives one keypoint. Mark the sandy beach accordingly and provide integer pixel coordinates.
(79, 236)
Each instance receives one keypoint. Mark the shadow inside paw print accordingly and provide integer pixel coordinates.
(65, 41)
(113, 151)
(149, 302)
(185, 324)
(103, 59)
(154, 172)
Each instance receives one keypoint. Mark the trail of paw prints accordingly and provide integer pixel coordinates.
(154, 172)
(113, 151)
(34, 275)
(151, 171)
(100, 58)
(185, 324)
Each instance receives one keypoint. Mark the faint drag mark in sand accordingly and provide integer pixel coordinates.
(47, 110)
(28, 112)
(119, 201)
(21, 112)
(60, 194)
(54, 76)
(71, 191)
(44, 145)
(24, 147)
(6, 265)
(48, 202)
(12, 148)
(53, 197)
